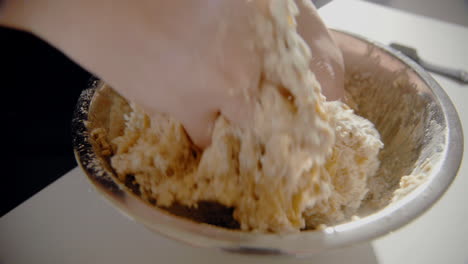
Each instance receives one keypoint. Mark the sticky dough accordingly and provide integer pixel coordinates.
(304, 161)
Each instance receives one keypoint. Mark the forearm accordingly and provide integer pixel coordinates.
(51, 20)
(97, 34)
(83, 28)
(13, 14)
(40, 16)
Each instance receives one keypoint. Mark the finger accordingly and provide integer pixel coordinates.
(330, 76)
(327, 61)
(199, 127)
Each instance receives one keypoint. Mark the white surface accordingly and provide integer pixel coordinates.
(68, 223)
(453, 11)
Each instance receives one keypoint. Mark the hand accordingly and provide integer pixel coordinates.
(191, 59)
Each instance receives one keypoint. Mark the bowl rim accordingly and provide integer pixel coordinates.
(367, 228)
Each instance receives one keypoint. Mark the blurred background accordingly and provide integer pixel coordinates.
(452, 11)
(41, 87)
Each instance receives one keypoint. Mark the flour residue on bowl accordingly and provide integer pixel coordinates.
(412, 132)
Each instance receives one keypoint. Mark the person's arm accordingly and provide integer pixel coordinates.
(179, 57)
(191, 59)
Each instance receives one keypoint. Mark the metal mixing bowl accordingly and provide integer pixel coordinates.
(418, 123)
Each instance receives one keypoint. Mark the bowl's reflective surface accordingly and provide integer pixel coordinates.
(414, 116)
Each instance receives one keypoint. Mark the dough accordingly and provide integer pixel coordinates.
(304, 161)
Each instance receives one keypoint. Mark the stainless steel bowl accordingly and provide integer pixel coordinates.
(418, 123)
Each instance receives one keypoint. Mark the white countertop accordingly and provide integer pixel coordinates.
(68, 222)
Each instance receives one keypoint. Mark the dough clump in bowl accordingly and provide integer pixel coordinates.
(303, 163)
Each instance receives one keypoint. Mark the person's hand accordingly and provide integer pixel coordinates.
(191, 59)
